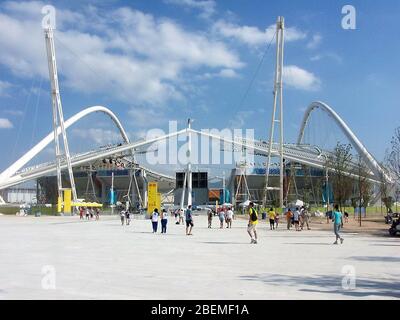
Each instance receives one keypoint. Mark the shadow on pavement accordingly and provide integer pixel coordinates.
(326, 284)
(311, 243)
(223, 242)
(377, 259)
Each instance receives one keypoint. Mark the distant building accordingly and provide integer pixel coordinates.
(19, 195)
(199, 188)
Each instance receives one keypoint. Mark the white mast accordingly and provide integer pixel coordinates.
(277, 91)
(189, 166)
(58, 116)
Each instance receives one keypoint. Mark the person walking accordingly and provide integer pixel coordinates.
(128, 217)
(81, 213)
(221, 216)
(271, 216)
(229, 218)
(154, 220)
(189, 221)
(277, 217)
(180, 216)
(87, 213)
(296, 219)
(304, 218)
(252, 225)
(97, 214)
(337, 218)
(209, 217)
(122, 217)
(289, 216)
(164, 220)
(176, 214)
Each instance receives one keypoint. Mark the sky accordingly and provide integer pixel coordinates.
(155, 61)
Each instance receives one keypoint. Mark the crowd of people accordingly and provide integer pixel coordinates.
(298, 217)
(89, 213)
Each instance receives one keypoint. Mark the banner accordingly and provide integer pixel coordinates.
(153, 201)
(67, 201)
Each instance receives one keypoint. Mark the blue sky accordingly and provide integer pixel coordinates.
(154, 61)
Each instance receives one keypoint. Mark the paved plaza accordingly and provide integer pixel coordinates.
(103, 260)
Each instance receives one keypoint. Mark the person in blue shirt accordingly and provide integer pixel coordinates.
(189, 220)
(337, 218)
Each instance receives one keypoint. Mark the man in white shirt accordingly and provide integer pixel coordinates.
(229, 217)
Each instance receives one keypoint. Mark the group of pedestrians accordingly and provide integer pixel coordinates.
(125, 216)
(224, 215)
(163, 217)
(299, 217)
(89, 213)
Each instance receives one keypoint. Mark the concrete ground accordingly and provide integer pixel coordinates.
(103, 260)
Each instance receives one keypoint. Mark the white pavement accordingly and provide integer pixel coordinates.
(102, 260)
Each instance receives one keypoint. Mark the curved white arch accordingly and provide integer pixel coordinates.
(50, 138)
(356, 143)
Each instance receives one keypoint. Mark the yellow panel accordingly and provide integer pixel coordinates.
(67, 200)
(152, 197)
(159, 201)
(59, 204)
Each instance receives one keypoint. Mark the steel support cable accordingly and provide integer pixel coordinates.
(242, 100)
(23, 118)
(36, 111)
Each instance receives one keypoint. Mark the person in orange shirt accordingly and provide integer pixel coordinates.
(289, 215)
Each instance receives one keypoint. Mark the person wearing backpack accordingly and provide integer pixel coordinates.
(253, 221)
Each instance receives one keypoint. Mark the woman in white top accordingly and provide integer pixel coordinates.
(164, 220)
(154, 220)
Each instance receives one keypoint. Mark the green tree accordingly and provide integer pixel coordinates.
(364, 186)
(338, 163)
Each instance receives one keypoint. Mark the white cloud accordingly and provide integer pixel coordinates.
(329, 55)
(207, 7)
(4, 86)
(315, 41)
(147, 117)
(253, 36)
(13, 112)
(97, 135)
(5, 123)
(299, 78)
(135, 58)
(240, 119)
(224, 73)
